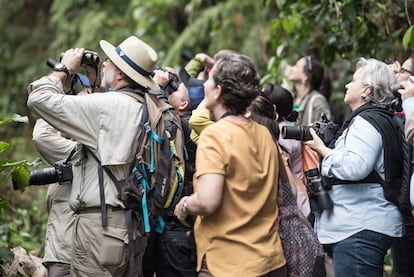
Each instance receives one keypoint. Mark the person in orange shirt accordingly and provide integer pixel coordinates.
(236, 180)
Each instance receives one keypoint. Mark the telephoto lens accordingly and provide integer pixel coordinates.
(315, 187)
(43, 176)
(297, 132)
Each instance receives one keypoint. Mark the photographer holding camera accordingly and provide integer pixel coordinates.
(56, 149)
(362, 225)
(105, 125)
(53, 147)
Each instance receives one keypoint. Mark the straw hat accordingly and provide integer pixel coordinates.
(135, 58)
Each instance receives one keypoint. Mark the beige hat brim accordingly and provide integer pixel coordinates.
(144, 81)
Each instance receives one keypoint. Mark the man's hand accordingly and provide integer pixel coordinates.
(161, 77)
(72, 59)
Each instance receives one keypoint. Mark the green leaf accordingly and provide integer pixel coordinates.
(12, 164)
(6, 120)
(20, 118)
(21, 177)
(14, 118)
(4, 204)
(408, 38)
(4, 146)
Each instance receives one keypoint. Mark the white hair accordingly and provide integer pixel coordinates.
(380, 78)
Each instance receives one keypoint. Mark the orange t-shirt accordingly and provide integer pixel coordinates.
(240, 238)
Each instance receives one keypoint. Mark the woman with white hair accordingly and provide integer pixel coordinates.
(363, 222)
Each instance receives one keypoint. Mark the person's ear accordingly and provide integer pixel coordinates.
(218, 91)
(366, 91)
(184, 106)
(248, 114)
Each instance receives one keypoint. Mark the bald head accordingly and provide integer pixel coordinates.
(180, 100)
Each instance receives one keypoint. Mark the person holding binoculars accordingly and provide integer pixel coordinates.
(105, 126)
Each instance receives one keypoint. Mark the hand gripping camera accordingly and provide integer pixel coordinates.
(324, 129)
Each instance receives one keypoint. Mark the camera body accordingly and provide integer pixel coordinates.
(317, 191)
(396, 103)
(173, 81)
(61, 173)
(324, 129)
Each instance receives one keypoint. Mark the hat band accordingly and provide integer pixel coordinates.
(131, 63)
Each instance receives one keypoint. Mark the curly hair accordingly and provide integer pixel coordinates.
(236, 74)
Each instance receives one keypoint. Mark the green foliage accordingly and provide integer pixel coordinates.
(18, 227)
(24, 225)
(274, 33)
(408, 39)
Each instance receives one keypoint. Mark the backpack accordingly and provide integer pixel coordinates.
(156, 178)
(158, 170)
(403, 199)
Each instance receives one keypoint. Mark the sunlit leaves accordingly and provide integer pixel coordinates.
(20, 177)
(14, 118)
(408, 39)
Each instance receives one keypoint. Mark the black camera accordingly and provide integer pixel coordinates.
(324, 129)
(317, 191)
(61, 173)
(396, 103)
(173, 81)
(89, 58)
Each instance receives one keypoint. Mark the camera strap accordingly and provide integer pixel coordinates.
(286, 177)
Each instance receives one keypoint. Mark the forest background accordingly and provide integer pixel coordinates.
(274, 33)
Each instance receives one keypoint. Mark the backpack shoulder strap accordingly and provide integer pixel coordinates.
(137, 96)
(101, 188)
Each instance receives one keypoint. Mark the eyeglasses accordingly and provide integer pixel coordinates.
(403, 70)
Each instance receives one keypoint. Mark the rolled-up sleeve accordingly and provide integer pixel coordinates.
(70, 114)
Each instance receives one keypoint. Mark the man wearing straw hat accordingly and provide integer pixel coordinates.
(106, 127)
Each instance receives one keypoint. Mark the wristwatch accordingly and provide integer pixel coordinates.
(60, 67)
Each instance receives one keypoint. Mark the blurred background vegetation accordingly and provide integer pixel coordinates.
(273, 33)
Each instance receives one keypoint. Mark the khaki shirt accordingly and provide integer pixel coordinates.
(106, 123)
